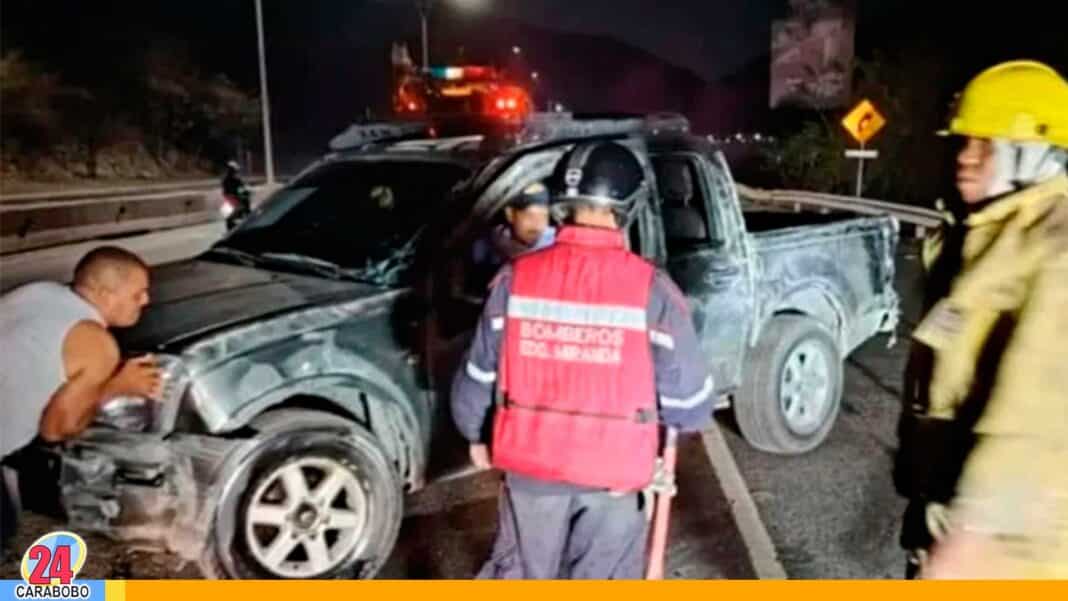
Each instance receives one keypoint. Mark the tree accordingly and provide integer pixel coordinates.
(163, 102)
(190, 111)
(809, 159)
(28, 111)
(225, 113)
(912, 163)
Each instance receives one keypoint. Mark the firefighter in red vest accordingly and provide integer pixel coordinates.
(582, 349)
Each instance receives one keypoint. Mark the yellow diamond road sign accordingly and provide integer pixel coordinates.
(863, 122)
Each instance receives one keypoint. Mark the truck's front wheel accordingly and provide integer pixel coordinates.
(319, 499)
(792, 387)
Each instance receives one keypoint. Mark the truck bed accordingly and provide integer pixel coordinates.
(839, 270)
(757, 220)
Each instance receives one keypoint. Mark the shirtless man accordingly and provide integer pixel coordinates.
(61, 363)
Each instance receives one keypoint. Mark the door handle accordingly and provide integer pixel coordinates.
(723, 275)
(725, 270)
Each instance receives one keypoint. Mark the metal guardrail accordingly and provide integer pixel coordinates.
(31, 221)
(87, 193)
(139, 190)
(920, 217)
(33, 224)
(27, 226)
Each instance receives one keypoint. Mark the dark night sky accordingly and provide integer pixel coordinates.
(709, 37)
(328, 59)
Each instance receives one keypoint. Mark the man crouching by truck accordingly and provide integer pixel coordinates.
(581, 339)
(61, 363)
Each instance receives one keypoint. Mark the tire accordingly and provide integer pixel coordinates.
(783, 418)
(348, 532)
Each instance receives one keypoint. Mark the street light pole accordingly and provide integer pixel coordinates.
(424, 7)
(268, 150)
(424, 14)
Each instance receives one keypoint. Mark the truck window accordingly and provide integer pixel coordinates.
(353, 213)
(683, 207)
(634, 236)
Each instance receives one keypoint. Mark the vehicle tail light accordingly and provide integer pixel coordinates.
(509, 102)
(478, 73)
(227, 207)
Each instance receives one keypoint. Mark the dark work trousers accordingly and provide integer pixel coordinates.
(9, 508)
(584, 535)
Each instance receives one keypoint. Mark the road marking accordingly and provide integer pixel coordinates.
(757, 541)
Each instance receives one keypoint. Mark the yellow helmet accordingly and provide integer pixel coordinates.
(1023, 101)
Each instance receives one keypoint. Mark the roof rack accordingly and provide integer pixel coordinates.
(658, 123)
(362, 134)
(456, 144)
(539, 128)
(546, 127)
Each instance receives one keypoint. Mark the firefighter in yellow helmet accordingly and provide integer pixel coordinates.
(1001, 332)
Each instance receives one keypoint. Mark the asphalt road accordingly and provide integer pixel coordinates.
(831, 513)
(448, 528)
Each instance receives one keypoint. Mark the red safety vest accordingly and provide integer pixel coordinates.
(576, 375)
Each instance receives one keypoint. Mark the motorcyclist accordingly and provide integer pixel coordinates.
(236, 194)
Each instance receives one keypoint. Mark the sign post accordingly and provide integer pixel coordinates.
(860, 172)
(863, 122)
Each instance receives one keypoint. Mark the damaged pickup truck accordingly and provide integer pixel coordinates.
(308, 354)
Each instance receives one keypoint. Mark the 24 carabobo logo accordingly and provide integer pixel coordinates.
(50, 565)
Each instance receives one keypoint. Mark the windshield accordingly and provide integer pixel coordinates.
(353, 218)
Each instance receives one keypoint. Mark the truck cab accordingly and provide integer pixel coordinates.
(777, 309)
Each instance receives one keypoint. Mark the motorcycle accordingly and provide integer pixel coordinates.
(235, 207)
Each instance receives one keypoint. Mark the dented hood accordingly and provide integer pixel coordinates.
(194, 298)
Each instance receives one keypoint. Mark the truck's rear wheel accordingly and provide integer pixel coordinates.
(792, 387)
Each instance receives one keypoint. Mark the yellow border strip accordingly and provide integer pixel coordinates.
(115, 590)
(186, 590)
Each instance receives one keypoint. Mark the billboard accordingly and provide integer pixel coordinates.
(812, 54)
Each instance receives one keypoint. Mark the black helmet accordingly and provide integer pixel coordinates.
(600, 174)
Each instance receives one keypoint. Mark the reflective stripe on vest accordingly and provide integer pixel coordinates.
(577, 371)
(580, 314)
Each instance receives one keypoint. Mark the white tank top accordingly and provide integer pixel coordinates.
(34, 321)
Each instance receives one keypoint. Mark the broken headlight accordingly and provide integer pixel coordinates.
(138, 414)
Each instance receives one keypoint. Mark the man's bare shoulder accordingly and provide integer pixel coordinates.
(89, 344)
